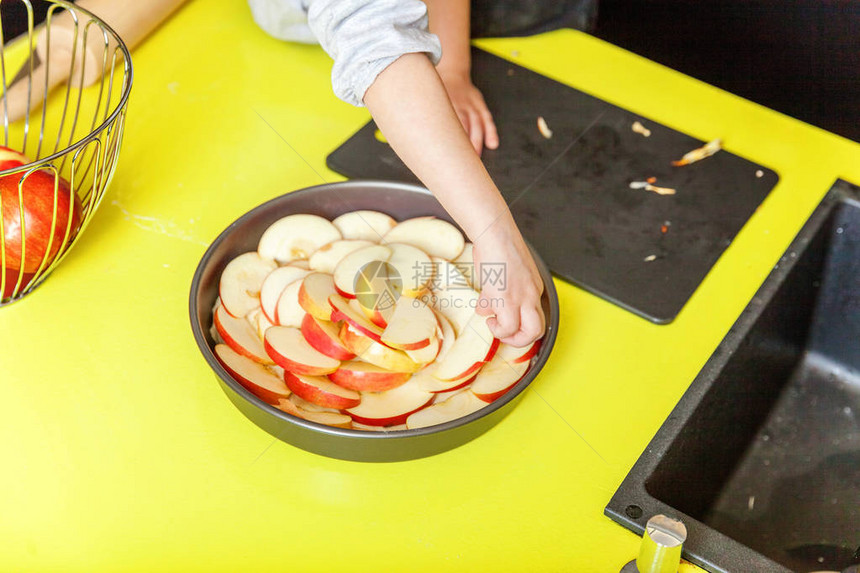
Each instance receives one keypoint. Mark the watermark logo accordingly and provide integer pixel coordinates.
(377, 286)
(453, 276)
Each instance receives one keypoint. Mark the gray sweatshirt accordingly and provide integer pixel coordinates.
(363, 37)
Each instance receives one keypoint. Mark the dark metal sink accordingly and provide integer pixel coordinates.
(761, 457)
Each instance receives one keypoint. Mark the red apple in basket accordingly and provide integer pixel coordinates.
(9, 158)
(43, 233)
(12, 280)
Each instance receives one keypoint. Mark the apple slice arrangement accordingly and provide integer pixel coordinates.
(362, 322)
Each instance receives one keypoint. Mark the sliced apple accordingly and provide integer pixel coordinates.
(347, 272)
(432, 384)
(378, 314)
(286, 346)
(353, 340)
(474, 346)
(238, 334)
(366, 428)
(342, 311)
(300, 264)
(296, 237)
(257, 319)
(310, 406)
(367, 225)
(441, 396)
(255, 377)
(321, 391)
(412, 325)
(323, 336)
(448, 335)
(450, 275)
(457, 406)
(314, 294)
(445, 338)
(375, 352)
(497, 377)
(289, 312)
(274, 285)
(391, 407)
(328, 256)
(365, 377)
(514, 355)
(465, 263)
(427, 354)
(431, 235)
(414, 268)
(452, 297)
(328, 418)
(241, 282)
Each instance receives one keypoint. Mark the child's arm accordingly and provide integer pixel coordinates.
(411, 107)
(449, 20)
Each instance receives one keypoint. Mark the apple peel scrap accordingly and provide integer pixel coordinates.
(653, 188)
(292, 327)
(543, 128)
(699, 153)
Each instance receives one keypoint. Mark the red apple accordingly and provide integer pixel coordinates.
(240, 335)
(321, 391)
(9, 158)
(323, 336)
(12, 281)
(255, 377)
(391, 407)
(41, 227)
(366, 377)
(289, 349)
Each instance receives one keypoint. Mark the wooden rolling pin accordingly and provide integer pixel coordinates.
(132, 20)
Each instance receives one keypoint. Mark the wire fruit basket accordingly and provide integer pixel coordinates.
(63, 118)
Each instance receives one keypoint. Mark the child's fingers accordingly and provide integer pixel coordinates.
(531, 328)
(485, 307)
(476, 132)
(491, 135)
(505, 324)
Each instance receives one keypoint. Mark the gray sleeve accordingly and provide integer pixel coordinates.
(364, 37)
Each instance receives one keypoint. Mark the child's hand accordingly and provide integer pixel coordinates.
(511, 286)
(471, 109)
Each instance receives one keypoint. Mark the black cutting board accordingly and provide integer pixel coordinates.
(571, 194)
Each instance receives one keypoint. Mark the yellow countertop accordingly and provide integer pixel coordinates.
(121, 453)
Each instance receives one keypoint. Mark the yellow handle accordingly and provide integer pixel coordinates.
(62, 36)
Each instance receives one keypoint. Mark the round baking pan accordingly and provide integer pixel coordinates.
(401, 201)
